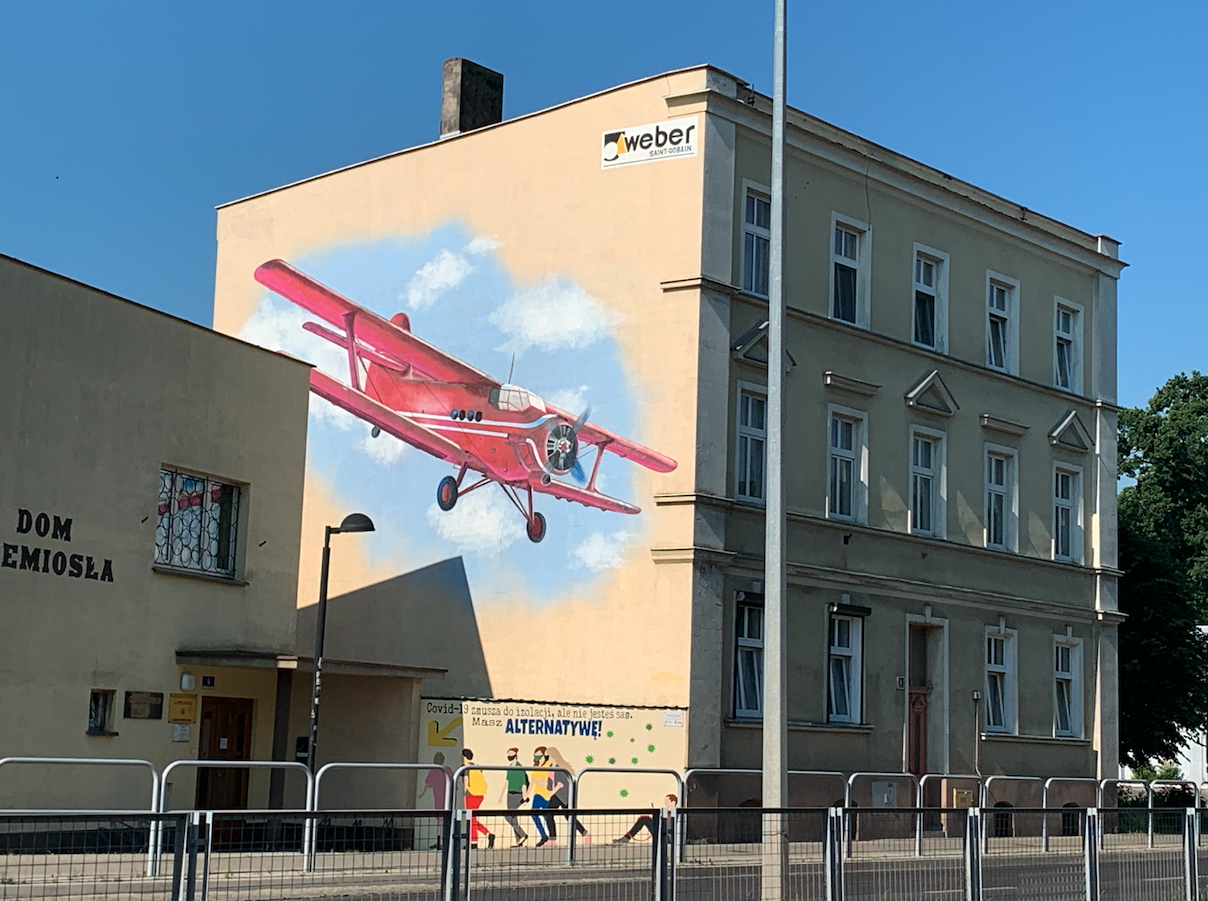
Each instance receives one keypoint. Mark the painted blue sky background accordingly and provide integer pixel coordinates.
(124, 124)
(461, 298)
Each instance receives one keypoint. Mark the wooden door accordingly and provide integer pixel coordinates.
(226, 734)
(916, 710)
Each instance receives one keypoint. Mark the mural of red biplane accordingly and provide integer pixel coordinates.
(429, 399)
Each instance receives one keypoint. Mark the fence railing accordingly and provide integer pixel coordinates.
(689, 854)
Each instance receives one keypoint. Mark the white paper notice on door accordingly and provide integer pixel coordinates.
(222, 744)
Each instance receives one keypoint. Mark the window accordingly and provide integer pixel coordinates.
(748, 668)
(1000, 681)
(846, 464)
(844, 674)
(849, 270)
(926, 483)
(756, 236)
(198, 523)
(101, 706)
(1067, 361)
(1001, 525)
(929, 322)
(1002, 339)
(1067, 696)
(1066, 514)
(752, 443)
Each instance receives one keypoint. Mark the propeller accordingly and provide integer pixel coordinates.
(562, 448)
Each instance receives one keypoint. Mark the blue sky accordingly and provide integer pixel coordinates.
(122, 125)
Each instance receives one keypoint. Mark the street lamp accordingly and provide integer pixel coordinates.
(353, 522)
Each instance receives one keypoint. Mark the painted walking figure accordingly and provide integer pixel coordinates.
(517, 784)
(647, 822)
(476, 792)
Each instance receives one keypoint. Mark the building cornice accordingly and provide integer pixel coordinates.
(895, 171)
(799, 572)
(718, 287)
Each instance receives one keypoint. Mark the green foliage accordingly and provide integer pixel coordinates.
(1150, 772)
(1163, 544)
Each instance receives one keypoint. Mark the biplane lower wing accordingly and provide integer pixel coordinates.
(583, 496)
(387, 420)
(591, 433)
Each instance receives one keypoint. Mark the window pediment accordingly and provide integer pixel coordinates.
(1070, 433)
(752, 347)
(931, 395)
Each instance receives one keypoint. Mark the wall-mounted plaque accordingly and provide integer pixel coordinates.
(182, 708)
(144, 705)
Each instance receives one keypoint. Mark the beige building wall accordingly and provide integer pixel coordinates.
(949, 584)
(661, 245)
(535, 188)
(99, 393)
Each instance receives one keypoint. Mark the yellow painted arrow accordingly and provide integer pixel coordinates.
(440, 738)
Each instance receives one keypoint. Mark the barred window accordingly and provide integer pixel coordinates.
(198, 522)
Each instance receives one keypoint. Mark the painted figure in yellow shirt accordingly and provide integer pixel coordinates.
(476, 791)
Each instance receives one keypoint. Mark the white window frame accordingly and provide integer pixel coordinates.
(747, 644)
(763, 192)
(1074, 336)
(1012, 317)
(859, 505)
(1009, 669)
(1075, 505)
(939, 481)
(1074, 677)
(1011, 497)
(855, 656)
(940, 261)
(741, 431)
(863, 267)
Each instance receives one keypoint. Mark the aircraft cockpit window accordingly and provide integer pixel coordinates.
(510, 399)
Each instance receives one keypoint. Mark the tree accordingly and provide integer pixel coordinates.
(1163, 544)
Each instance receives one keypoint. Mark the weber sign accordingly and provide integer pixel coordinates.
(645, 143)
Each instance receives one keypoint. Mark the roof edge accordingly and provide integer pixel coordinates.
(466, 134)
(142, 306)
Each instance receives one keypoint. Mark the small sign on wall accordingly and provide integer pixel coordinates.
(144, 705)
(180, 732)
(182, 708)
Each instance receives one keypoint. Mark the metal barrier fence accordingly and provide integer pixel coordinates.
(92, 855)
(693, 854)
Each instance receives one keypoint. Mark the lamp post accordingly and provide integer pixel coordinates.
(774, 882)
(353, 522)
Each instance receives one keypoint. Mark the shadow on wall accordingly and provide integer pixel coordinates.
(421, 618)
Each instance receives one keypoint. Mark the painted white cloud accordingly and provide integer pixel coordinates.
(482, 245)
(573, 400)
(384, 449)
(550, 316)
(482, 522)
(435, 277)
(599, 551)
(277, 325)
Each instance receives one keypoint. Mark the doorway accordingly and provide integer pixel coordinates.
(916, 702)
(226, 734)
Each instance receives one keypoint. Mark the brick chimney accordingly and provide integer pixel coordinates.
(472, 96)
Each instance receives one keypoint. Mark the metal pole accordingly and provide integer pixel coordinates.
(775, 707)
(320, 626)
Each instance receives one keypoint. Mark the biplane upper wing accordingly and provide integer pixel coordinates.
(591, 433)
(364, 407)
(582, 496)
(366, 327)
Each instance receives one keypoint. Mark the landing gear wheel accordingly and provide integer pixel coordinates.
(446, 493)
(536, 528)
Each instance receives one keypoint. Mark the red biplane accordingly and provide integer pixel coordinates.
(435, 402)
